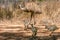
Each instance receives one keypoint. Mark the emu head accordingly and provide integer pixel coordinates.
(23, 8)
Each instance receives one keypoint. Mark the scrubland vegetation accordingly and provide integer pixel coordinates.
(50, 11)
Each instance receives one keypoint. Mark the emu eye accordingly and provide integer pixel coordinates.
(22, 6)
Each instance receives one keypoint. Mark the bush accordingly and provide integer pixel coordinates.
(5, 14)
(9, 15)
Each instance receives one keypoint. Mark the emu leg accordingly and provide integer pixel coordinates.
(32, 17)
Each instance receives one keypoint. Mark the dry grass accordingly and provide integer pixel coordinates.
(51, 9)
(50, 13)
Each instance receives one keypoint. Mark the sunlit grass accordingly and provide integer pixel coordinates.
(50, 10)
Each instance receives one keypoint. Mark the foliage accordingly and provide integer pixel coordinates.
(9, 15)
(5, 14)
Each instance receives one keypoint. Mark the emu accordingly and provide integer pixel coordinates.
(31, 7)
